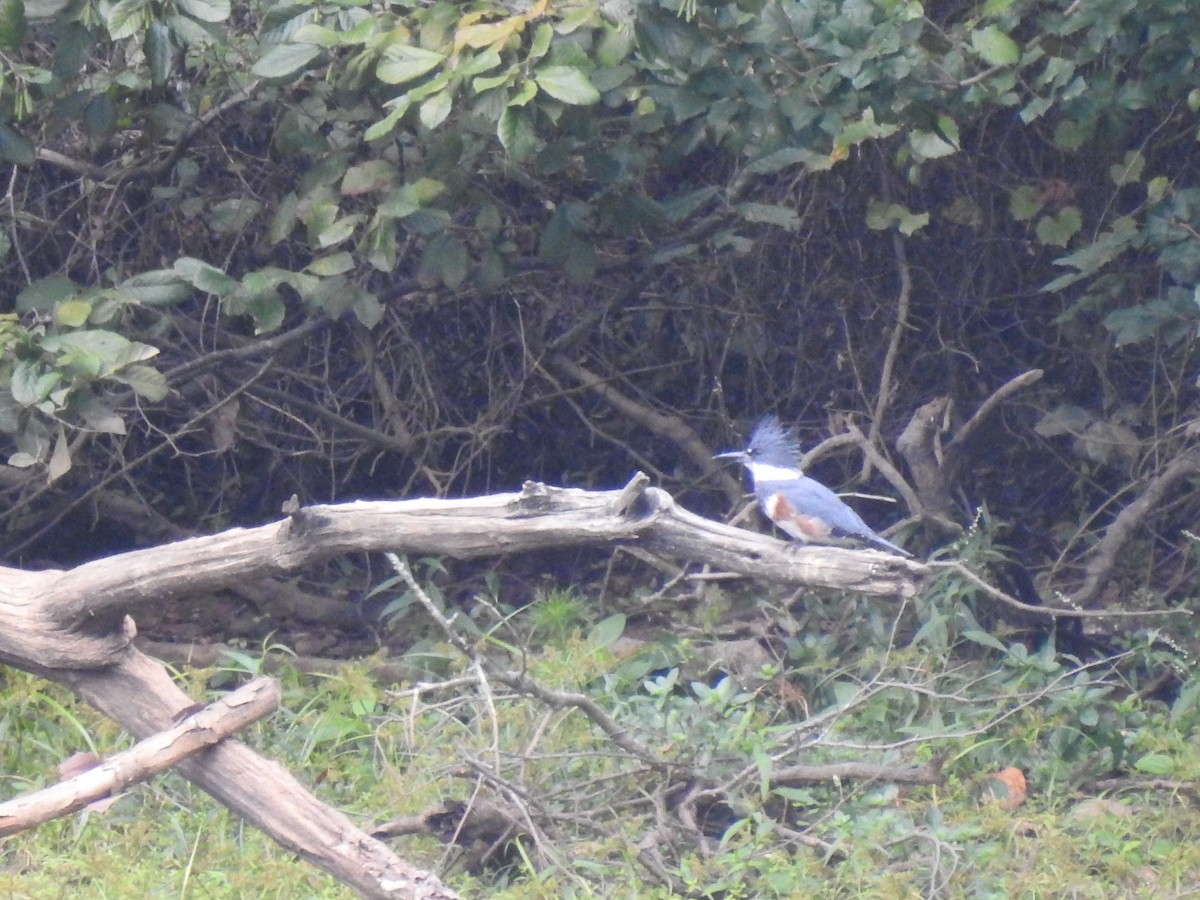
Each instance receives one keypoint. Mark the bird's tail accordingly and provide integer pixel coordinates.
(876, 541)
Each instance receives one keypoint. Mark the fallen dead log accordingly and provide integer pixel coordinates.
(76, 618)
(198, 731)
(140, 695)
(74, 626)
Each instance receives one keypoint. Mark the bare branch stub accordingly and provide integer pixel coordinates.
(199, 731)
(934, 461)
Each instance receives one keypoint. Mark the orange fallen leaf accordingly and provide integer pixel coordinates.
(1007, 788)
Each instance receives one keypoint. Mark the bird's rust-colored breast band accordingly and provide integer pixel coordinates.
(783, 514)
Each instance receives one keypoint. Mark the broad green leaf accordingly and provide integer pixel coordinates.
(283, 219)
(369, 176)
(480, 63)
(403, 63)
(206, 10)
(92, 353)
(147, 383)
(319, 216)
(482, 84)
(516, 133)
(865, 128)
(32, 382)
(98, 416)
(189, 32)
(266, 309)
(777, 161)
(74, 43)
(430, 87)
(204, 276)
(526, 92)
(1129, 170)
(1071, 134)
(881, 216)
(381, 246)
(444, 260)
(335, 296)
(770, 214)
(284, 60)
(335, 264)
(1090, 259)
(12, 24)
(313, 33)
(580, 260)
(125, 18)
(367, 309)
(233, 215)
(615, 46)
(606, 631)
(985, 639)
(160, 53)
(1155, 764)
(568, 84)
(387, 124)
(929, 145)
(72, 313)
(433, 112)
(490, 272)
(406, 200)
(1036, 108)
(1025, 202)
(1174, 317)
(963, 210)
(44, 294)
(996, 47)
(339, 230)
(15, 147)
(100, 117)
(1058, 229)
(158, 287)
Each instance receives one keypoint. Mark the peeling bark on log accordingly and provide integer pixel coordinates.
(75, 618)
(140, 695)
(197, 732)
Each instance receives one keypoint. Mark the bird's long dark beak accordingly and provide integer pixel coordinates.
(739, 455)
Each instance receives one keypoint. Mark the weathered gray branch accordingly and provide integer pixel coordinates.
(139, 694)
(218, 720)
(75, 618)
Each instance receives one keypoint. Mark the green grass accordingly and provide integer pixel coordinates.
(378, 755)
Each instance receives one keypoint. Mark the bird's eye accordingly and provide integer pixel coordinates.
(752, 452)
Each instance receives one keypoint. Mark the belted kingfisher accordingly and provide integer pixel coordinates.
(802, 507)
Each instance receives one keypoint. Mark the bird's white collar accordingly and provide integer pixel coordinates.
(766, 472)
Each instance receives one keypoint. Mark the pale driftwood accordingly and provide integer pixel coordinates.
(140, 695)
(197, 732)
(74, 627)
(74, 618)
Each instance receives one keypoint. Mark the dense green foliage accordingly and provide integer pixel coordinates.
(483, 213)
